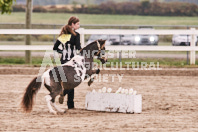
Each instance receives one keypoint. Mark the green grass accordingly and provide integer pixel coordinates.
(162, 61)
(61, 18)
(20, 60)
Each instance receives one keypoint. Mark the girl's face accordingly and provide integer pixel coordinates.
(76, 26)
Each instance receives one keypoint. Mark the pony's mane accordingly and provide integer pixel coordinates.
(91, 44)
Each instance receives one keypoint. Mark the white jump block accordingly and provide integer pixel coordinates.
(113, 102)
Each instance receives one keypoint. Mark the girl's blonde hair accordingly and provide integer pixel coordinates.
(67, 28)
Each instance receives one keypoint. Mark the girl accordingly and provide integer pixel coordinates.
(70, 41)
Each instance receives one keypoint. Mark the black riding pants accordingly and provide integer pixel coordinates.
(70, 97)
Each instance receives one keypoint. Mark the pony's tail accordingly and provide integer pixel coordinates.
(31, 90)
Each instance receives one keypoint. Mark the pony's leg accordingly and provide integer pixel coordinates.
(48, 99)
(54, 89)
(57, 108)
(92, 79)
(53, 95)
(61, 98)
(95, 71)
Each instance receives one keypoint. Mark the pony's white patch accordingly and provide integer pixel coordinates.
(46, 77)
(69, 63)
(48, 100)
(57, 108)
(76, 58)
(80, 66)
(82, 70)
(78, 62)
(83, 73)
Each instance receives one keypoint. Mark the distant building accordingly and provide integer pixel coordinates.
(21, 2)
(187, 1)
(60, 2)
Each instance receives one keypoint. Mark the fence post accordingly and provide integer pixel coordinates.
(192, 44)
(28, 58)
(54, 39)
(187, 57)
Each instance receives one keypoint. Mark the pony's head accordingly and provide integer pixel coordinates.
(101, 51)
(96, 48)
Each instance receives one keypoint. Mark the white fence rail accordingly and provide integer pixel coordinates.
(192, 48)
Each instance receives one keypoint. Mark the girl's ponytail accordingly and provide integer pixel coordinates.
(67, 28)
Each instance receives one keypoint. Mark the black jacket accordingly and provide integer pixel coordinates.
(73, 43)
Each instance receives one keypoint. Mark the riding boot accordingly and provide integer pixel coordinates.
(70, 101)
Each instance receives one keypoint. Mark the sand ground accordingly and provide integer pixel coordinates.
(170, 103)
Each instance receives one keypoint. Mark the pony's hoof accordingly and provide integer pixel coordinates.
(53, 112)
(61, 99)
(90, 82)
(62, 111)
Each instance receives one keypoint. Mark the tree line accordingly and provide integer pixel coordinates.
(125, 8)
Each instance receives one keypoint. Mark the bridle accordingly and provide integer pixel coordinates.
(99, 51)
